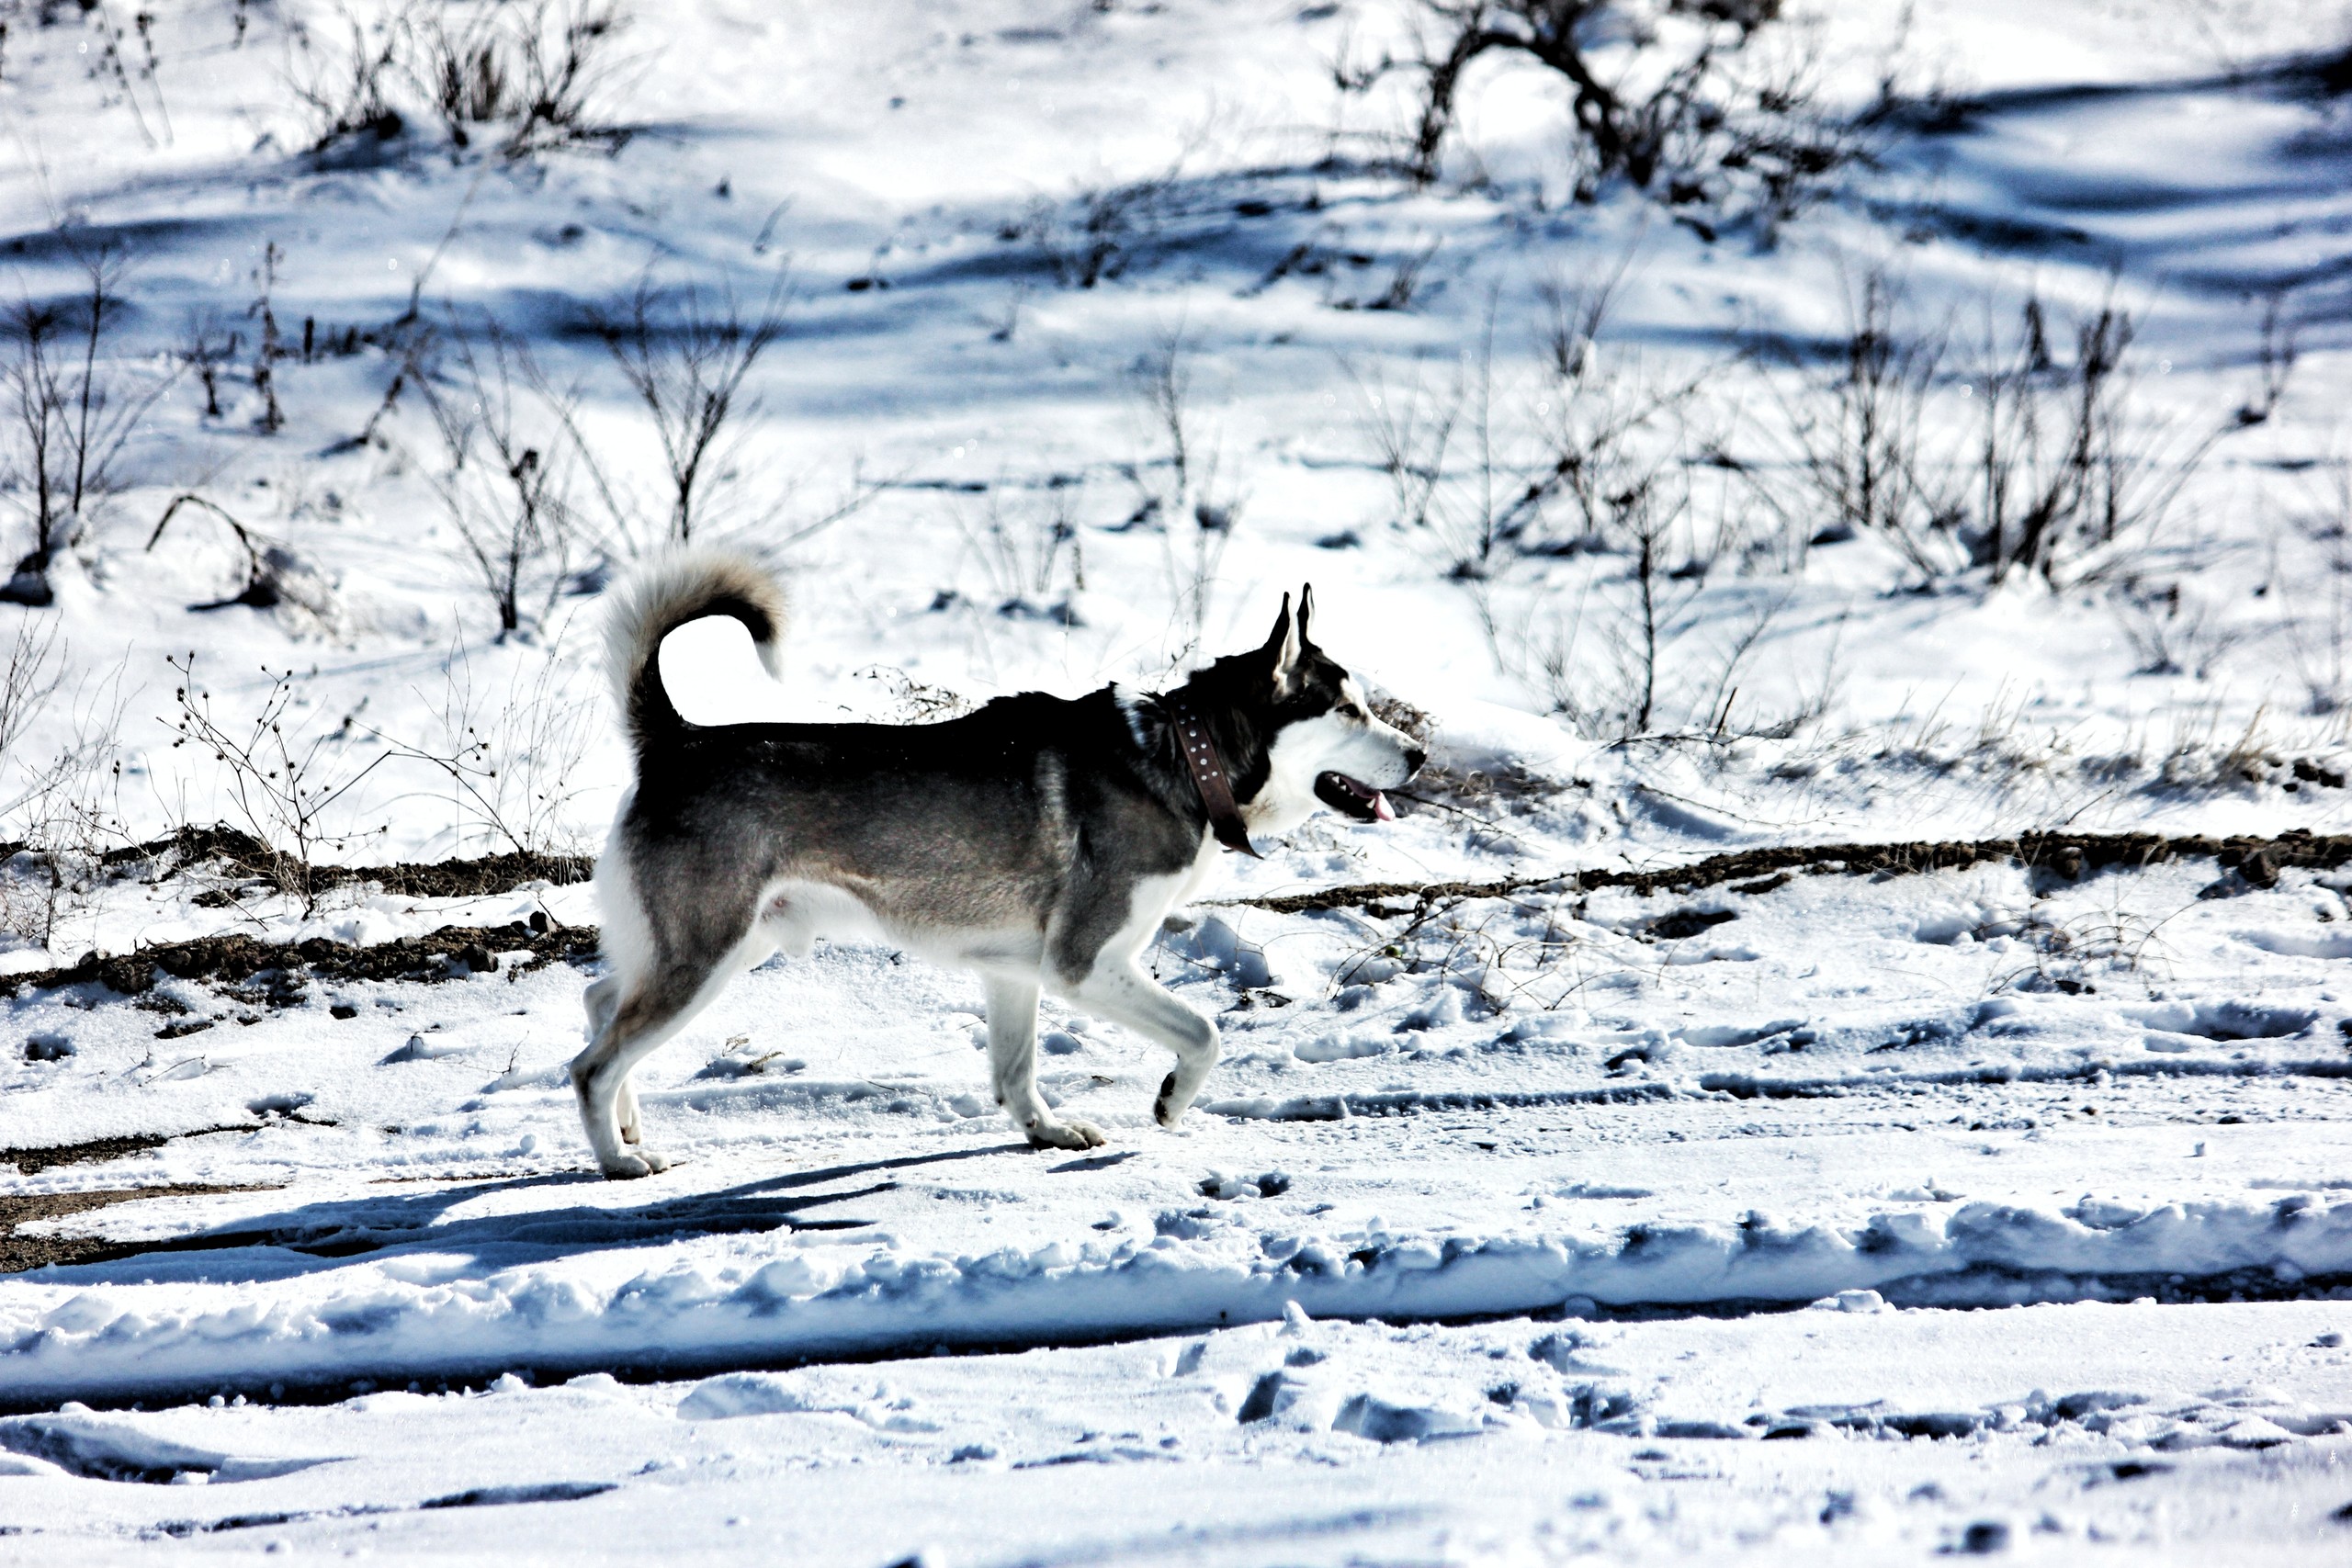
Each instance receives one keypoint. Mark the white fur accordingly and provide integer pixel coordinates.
(625, 935)
(1367, 750)
(1117, 987)
(1130, 703)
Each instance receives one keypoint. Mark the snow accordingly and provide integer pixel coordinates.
(1993, 1210)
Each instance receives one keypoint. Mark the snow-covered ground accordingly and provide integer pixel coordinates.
(1827, 1214)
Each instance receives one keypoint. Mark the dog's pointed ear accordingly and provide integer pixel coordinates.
(1305, 613)
(1281, 648)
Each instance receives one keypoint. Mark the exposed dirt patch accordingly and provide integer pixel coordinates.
(2256, 863)
(274, 972)
(29, 1162)
(240, 853)
(19, 1252)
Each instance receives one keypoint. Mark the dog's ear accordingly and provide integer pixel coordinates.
(1305, 613)
(1282, 649)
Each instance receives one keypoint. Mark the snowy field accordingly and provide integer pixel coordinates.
(1844, 1056)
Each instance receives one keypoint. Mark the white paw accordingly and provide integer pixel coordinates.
(1165, 1108)
(1070, 1135)
(628, 1167)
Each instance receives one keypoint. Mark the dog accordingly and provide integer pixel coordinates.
(1039, 840)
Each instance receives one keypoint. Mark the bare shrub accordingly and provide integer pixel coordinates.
(269, 344)
(1471, 462)
(1670, 96)
(2276, 353)
(534, 489)
(2319, 636)
(508, 757)
(1404, 285)
(685, 357)
(2067, 465)
(1615, 430)
(1637, 648)
(1102, 231)
(27, 681)
(349, 86)
(2072, 955)
(1414, 430)
(62, 812)
(2172, 633)
(541, 76)
(67, 413)
(209, 348)
(1500, 468)
(1858, 431)
(1029, 550)
(1579, 504)
(286, 774)
(2063, 468)
(1180, 495)
(506, 487)
(133, 80)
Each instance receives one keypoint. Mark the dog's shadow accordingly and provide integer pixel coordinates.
(310, 1238)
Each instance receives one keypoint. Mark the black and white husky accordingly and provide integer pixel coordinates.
(1039, 840)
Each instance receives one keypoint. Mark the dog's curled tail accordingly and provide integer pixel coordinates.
(682, 586)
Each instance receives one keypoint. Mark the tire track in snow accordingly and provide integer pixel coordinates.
(386, 1319)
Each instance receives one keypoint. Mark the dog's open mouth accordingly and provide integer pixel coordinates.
(1349, 798)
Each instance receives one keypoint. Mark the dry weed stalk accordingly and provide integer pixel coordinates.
(67, 415)
(509, 760)
(287, 781)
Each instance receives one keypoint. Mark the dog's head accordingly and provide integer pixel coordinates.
(1316, 738)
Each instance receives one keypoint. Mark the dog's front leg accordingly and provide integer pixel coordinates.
(1012, 1063)
(1123, 993)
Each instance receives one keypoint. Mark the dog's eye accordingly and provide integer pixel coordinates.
(1350, 710)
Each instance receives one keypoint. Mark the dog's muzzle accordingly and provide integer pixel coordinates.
(1353, 798)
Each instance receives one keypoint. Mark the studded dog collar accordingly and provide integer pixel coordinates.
(1209, 776)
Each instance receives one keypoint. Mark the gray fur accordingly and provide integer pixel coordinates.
(1039, 842)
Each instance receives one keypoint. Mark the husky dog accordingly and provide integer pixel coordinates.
(1039, 840)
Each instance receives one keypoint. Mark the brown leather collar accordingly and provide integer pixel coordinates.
(1200, 750)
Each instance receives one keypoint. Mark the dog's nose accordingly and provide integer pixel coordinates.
(1414, 758)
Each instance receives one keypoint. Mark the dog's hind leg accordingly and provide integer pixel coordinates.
(602, 1000)
(1012, 1063)
(1122, 992)
(655, 1008)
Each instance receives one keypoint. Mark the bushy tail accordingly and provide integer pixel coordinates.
(664, 595)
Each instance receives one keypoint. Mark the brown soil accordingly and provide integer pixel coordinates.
(19, 1252)
(281, 966)
(2256, 861)
(29, 1161)
(276, 972)
(241, 853)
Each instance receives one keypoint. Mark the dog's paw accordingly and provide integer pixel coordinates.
(628, 1167)
(1164, 1109)
(1070, 1135)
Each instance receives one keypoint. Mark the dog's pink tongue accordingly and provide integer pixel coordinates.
(1381, 810)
